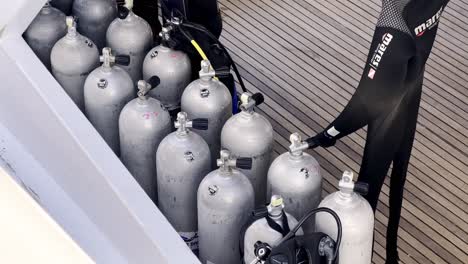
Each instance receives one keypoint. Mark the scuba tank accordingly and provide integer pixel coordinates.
(94, 17)
(63, 5)
(209, 98)
(72, 58)
(106, 91)
(225, 199)
(357, 219)
(295, 176)
(143, 123)
(249, 134)
(272, 225)
(172, 67)
(44, 31)
(130, 34)
(182, 160)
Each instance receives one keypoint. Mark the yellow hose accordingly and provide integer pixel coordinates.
(199, 49)
(201, 52)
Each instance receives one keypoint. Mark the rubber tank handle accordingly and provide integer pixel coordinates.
(154, 81)
(123, 60)
(244, 163)
(200, 123)
(312, 142)
(122, 12)
(258, 98)
(361, 187)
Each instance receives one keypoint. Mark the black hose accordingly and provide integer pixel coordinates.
(214, 38)
(306, 217)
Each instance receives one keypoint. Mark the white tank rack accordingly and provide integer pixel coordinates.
(59, 158)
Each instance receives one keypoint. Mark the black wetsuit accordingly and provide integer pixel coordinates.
(387, 100)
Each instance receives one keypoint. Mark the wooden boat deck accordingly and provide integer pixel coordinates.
(306, 57)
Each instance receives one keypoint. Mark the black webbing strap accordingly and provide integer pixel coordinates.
(275, 226)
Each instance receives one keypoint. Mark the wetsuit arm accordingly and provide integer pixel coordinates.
(380, 86)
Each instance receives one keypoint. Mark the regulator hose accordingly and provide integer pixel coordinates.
(213, 37)
(306, 217)
(185, 23)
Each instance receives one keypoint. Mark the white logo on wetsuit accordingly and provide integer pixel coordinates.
(429, 24)
(379, 52)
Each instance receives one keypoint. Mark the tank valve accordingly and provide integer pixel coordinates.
(297, 146)
(226, 162)
(206, 72)
(250, 101)
(144, 87)
(276, 206)
(165, 35)
(183, 123)
(347, 185)
(71, 25)
(108, 59)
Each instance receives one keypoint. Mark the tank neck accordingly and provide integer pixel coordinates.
(131, 16)
(346, 197)
(47, 8)
(246, 114)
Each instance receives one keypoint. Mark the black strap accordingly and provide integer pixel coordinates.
(256, 214)
(275, 226)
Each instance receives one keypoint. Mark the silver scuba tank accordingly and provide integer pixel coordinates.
(94, 17)
(261, 229)
(249, 134)
(172, 67)
(295, 175)
(62, 5)
(357, 220)
(143, 123)
(225, 200)
(211, 99)
(130, 34)
(72, 58)
(182, 160)
(44, 31)
(106, 91)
